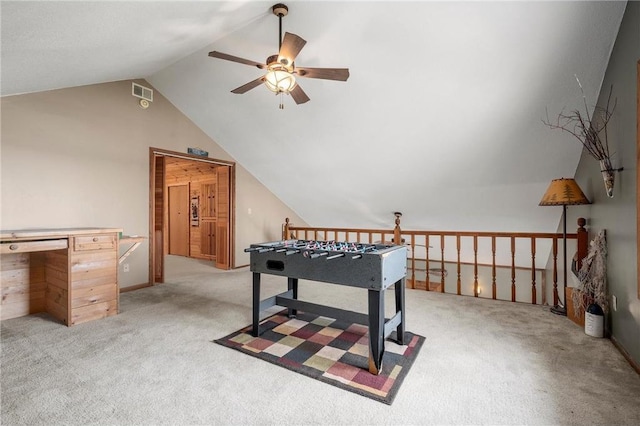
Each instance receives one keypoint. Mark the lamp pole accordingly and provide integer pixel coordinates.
(562, 310)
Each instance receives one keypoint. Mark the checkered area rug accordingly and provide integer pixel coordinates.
(329, 350)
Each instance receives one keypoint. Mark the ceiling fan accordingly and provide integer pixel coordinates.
(281, 70)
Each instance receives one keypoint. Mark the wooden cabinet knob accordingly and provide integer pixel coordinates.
(95, 239)
(13, 247)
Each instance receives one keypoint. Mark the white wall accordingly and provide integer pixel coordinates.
(79, 157)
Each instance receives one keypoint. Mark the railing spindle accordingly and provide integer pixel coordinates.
(475, 266)
(493, 267)
(413, 260)
(428, 265)
(534, 299)
(513, 269)
(459, 283)
(442, 263)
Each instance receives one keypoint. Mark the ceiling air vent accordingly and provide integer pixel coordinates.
(142, 92)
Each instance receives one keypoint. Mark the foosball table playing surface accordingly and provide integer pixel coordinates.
(374, 267)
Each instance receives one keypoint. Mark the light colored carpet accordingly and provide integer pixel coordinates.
(483, 362)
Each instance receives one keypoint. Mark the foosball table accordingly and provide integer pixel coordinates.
(374, 267)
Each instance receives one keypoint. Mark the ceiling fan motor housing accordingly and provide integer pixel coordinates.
(272, 61)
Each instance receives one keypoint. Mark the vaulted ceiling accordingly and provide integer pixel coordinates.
(440, 118)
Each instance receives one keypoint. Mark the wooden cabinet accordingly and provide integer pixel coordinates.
(208, 208)
(70, 273)
(208, 238)
(94, 277)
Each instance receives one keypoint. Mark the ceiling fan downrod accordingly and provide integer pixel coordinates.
(280, 10)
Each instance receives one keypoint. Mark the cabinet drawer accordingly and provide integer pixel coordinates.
(31, 246)
(93, 295)
(94, 242)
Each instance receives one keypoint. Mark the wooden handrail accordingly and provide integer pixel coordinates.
(537, 279)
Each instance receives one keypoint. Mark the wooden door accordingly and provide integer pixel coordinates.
(223, 214)
(179, 210)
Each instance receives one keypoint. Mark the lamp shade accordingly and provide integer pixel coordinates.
(563, 192)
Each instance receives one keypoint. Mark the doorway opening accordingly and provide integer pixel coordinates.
(191, 212)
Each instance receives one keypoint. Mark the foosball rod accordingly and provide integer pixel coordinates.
(278, 249)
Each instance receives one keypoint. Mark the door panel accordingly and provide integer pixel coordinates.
(208, 242)
(179, 210)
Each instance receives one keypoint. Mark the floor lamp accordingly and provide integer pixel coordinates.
(563, 192)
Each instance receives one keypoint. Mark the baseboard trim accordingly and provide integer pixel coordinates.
(626, 355)
(134, 287)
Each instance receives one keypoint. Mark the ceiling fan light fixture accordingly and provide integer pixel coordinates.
(281, 74)
(279, 80)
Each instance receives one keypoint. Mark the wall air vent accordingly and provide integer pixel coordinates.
(141, 92)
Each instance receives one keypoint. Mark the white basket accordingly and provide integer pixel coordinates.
(594, 325)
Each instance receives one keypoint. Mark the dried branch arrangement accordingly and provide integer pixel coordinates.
(589, 129)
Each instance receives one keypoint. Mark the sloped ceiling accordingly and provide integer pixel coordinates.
(440, 118)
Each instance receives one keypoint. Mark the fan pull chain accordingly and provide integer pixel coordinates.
(281, 106)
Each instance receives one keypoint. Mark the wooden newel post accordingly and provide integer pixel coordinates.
(285, 229)
(582, 242)
(582, 247)
(397, 238)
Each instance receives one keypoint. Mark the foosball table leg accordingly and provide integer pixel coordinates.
(292, 285)
(399, 293)
(376, 331)
(256, 305)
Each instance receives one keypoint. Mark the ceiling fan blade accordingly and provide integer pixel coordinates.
(340, 74)
(291, 46)
(232, 58)
(298, 95)
(250, 85)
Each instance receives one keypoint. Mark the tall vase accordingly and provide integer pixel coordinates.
(608, 175)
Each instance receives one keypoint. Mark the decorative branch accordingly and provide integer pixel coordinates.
(590, 130)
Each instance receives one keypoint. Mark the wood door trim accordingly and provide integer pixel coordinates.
(167, 153)
(153, 159)
(159, 152)
(638, 173)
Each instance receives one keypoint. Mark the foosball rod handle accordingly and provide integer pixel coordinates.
(335, 256)
(317, 255)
